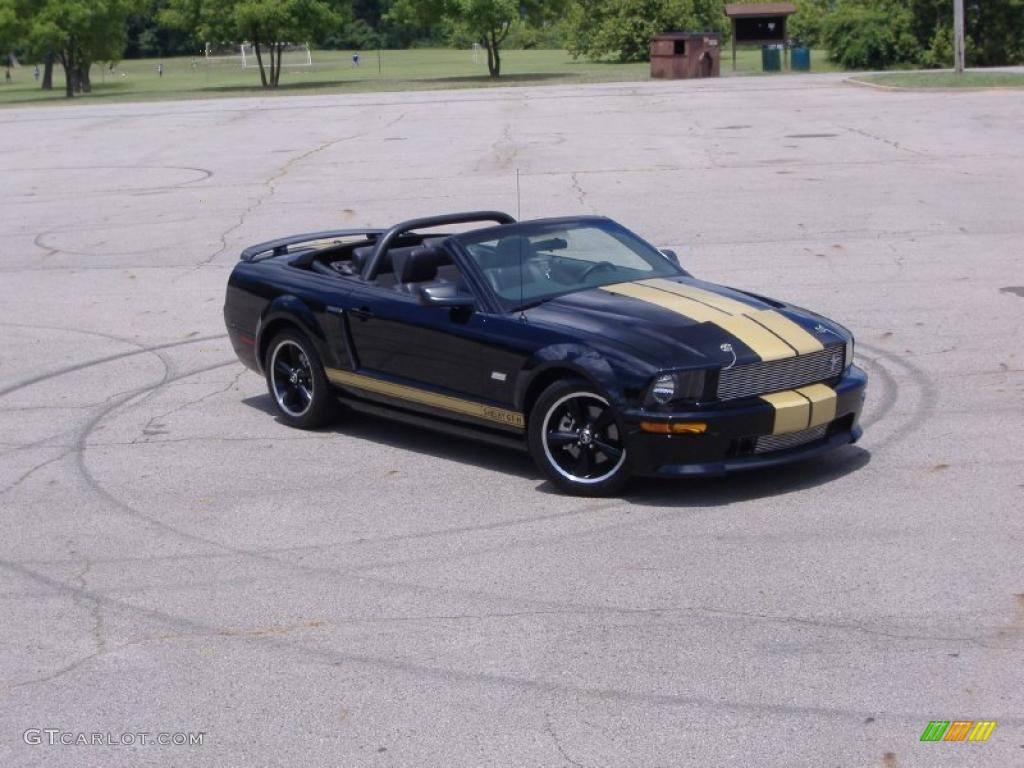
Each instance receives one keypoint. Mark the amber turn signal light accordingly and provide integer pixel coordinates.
(674, 428)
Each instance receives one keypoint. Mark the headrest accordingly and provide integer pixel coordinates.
(420, 266)
(360, 255)
(513, 248)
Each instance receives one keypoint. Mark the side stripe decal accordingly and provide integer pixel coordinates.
(426, 397)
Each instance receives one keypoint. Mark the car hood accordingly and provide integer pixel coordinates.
(682, 322)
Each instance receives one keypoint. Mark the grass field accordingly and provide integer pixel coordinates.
(332, 72)
(946, 79)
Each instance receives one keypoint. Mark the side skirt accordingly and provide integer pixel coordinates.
(482, 434)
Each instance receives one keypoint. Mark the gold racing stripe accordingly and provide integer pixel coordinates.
(425, 397)
(803, 408)
(792, 411)
(766, 344)
(776, 322)
(823, 403)
(716, 300)
(780, 325)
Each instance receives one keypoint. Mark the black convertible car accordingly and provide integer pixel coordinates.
(571, 337)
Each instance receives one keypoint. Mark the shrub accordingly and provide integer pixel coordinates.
(806, 25)
(870, 38)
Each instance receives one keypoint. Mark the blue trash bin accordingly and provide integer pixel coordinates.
(800, 60)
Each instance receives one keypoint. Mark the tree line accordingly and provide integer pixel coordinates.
(858, 33)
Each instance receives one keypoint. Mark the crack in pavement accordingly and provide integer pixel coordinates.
(270, 186)
(550, 730)
(149, 425)
(448, 675)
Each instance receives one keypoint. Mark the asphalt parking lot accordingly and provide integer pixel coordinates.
(174, 560)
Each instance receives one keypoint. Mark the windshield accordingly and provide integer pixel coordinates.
(529, 263)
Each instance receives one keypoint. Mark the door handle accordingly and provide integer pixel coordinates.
(362, 313)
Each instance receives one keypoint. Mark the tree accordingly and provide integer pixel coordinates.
(147, 37)
(269, 25)
(807, 24)
(622, 29)
(486, 21)
(921, 32)
(871, 36)
(76, 33)
(11, 28)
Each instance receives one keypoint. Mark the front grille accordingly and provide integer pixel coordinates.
(762, 378)
(769, 443)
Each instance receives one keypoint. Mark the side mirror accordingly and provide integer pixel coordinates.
(444, 295)
(671, 255)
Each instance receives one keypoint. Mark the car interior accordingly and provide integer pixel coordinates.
(515, 266)
(413, 261)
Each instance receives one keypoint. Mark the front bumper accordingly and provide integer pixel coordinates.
(730, 443)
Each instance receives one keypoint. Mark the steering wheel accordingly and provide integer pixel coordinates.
(594, 267)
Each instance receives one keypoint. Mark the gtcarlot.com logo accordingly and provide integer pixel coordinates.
(55, 736)
(958, 730)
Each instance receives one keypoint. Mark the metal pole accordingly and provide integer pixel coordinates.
(734, 45)
(958, 36)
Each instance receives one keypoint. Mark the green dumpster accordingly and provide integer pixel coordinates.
(800, 60)
(771, 58)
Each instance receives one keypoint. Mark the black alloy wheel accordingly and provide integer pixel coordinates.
(296, 381)
(576, 439)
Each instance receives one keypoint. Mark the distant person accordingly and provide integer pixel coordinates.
(35, 72)
(355, 59)
(110, 67)
(160, 69)
(7, 75)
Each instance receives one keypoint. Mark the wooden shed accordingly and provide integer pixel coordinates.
(681, 55)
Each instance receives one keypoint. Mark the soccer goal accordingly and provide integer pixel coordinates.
(292, 55)
(214, 53)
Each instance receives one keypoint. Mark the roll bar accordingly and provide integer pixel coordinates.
(384, 241)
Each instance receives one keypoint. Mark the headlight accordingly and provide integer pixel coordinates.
(663, 389)
(849, 352)
(681, 385)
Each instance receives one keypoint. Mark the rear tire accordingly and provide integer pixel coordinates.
(576, 438)
(297, 383)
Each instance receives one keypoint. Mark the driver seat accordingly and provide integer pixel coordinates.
(509, 263)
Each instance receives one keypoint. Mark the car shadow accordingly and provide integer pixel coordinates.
(395, 434)
(657, 492)
(749, 485)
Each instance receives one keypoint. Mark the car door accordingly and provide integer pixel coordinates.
(394, 336)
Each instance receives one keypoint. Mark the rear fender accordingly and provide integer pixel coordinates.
(291, 310)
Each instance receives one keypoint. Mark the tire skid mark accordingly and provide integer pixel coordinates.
(139, 395)
(100, 360)
(921, 410)
(188, 627)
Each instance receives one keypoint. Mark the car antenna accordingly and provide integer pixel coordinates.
(519, 215)
(519, 198)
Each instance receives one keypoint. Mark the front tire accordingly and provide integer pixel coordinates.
(297, 383)
(576, 439)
